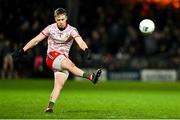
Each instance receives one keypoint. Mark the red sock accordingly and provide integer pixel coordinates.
(87, 75)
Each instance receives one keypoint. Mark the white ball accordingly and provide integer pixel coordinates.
(146, 26)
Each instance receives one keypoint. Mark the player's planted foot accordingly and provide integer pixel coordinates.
(50, 107)
(95, 76)
(49, 110)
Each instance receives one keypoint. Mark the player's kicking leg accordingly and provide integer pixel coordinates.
(70, 66)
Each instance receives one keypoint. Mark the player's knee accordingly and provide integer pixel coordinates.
(60, 78)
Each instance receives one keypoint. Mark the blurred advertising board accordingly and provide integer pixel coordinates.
(124, 75)
(159, 75)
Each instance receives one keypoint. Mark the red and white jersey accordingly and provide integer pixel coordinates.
(60, 41)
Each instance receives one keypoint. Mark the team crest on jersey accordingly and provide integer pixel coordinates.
(60, 38)
(66, 37)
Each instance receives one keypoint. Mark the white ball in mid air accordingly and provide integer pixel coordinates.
(146, 26)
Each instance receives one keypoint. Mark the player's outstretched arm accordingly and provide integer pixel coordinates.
(33, 42)
(84, 47)
(81, 43)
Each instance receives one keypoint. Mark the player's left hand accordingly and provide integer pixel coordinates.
(87, 54)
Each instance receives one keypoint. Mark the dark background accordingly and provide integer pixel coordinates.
(109, 27)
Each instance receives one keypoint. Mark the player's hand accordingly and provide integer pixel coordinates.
(87, 54)
(18, 53)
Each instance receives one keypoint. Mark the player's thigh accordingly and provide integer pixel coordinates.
(56, 65)
(60, 77)
(60, 63)
(67, 63)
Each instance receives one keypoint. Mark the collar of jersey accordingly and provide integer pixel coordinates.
(61, 29)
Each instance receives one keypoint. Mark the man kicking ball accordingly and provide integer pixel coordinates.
(60, 38)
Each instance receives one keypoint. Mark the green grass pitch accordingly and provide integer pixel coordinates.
(24, 99)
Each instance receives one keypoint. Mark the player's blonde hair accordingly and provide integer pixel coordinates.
(60, 11)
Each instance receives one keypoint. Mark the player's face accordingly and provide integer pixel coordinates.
(61, 20)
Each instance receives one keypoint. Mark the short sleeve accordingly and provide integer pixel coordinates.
(75, 33)
(46, 31)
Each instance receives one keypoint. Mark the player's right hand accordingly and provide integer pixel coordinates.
(18, 53)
